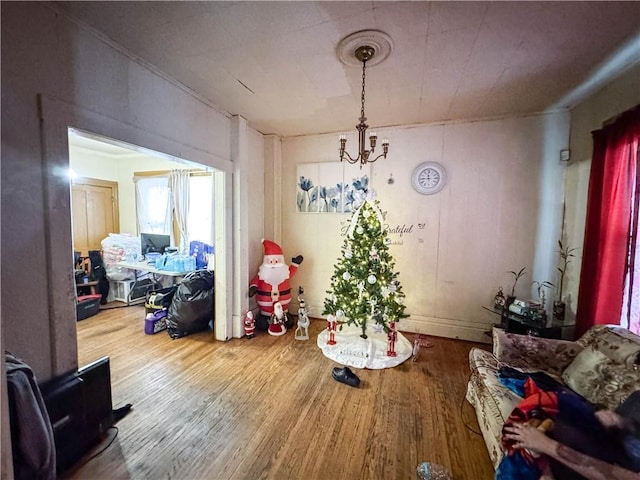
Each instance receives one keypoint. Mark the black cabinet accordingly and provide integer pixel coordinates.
(522, 325)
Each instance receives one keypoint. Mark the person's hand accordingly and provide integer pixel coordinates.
(297, 260)
(526, 436)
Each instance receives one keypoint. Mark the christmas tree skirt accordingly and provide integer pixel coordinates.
(354, 351)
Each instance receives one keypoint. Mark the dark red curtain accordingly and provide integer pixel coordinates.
(608, 223)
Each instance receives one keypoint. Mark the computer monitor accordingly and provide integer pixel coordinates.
(154, 243)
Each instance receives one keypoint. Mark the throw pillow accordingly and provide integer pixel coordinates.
(599, 379)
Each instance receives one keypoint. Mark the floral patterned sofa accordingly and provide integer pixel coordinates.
(603, 366)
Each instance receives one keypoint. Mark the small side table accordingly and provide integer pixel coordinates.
(513, 323)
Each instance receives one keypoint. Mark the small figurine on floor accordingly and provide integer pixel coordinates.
(392, 336)
(419, 341)
(416, 349)
(302, 332)
(249, 325)
(277, 321)
(332, 325)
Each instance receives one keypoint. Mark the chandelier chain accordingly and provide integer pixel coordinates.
(364, 66)
(365, 155)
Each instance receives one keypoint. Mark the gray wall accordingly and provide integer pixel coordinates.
(83, 83)
(56, 75)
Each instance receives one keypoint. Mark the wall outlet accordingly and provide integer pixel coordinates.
(565, 155)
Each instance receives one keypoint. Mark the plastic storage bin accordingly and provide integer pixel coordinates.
(155, 322)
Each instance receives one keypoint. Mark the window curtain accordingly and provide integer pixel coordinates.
(153, 205)
(201, 209)
(605, 261)
(179, 186)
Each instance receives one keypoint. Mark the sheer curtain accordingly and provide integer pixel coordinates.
(608, 231)
(153, 205)
(200, 208)
(630, 317)
(179, 186)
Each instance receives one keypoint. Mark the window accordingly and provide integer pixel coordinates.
(200, 221)
(630, 315)
(153, 205)
(155, 212)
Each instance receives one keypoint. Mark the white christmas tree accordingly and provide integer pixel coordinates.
(364, 285)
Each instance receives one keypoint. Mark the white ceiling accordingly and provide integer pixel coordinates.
(81, 143)
(275, 63)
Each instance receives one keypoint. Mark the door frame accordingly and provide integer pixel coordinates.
(96, 182)
(57, 116)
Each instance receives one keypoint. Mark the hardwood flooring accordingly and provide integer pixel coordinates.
(267, 408)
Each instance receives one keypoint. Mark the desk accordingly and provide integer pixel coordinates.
(137, 291)
(146, 267)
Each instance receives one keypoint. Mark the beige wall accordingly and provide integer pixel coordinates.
(494, 214)
(617, 97)
(94, 165)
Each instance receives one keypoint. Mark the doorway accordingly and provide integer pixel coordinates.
(105, 190)
(94, 212)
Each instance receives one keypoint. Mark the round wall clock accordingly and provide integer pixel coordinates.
(429, 178)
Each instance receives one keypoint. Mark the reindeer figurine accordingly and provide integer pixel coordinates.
(302, 332)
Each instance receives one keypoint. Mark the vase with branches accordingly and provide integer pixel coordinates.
(516, 277)
(565, 255)
(540, 286)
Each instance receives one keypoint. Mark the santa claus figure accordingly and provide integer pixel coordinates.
(249, 325)
(271, 284)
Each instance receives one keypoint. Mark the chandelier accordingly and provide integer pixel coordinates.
(368, 43)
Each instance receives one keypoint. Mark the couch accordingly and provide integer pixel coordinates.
(603, 366)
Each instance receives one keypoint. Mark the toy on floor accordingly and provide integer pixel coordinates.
(302, 332)
(419, 341)
(332, 325)
(392, 337)
(433, 471)
(277, 321)
(249, 325)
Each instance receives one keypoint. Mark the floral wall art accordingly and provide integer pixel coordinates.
(329, 187)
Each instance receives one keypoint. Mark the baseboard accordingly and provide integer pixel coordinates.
(438, 327)
(448, 328)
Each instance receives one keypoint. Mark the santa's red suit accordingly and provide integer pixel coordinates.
(271, 284)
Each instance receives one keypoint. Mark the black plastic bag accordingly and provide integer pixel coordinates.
(191, 309)
(159, 299)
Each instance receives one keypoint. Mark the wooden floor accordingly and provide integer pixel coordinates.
(268, 408)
